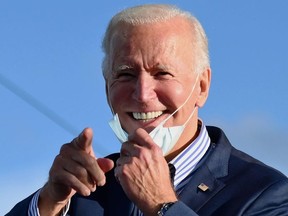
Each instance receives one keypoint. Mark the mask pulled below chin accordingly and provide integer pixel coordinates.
(164, 137)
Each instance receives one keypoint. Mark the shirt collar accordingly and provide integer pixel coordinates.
(187, 160)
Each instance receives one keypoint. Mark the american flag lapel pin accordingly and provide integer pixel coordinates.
(203, 187)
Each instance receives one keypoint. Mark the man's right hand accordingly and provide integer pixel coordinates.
(75, 169)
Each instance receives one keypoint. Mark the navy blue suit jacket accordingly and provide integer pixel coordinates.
(238, 185)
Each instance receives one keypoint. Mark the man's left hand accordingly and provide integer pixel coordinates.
(143, 173)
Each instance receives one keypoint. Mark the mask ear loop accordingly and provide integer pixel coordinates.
(191, 92)
(190, 116)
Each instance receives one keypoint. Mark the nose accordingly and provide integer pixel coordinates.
(144, 88)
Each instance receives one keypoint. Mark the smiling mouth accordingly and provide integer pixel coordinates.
(146, 116)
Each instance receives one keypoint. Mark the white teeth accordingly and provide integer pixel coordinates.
(146, 116)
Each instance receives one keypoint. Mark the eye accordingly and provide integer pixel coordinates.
(163, 75)
(124, 75)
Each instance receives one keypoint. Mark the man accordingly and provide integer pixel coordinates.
(157, 74)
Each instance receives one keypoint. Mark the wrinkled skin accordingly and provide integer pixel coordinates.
(143, 173)
(75, 169)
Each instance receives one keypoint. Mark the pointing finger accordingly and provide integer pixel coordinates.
(84, 141)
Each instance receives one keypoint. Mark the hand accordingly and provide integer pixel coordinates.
(143, 173)
(75, 169)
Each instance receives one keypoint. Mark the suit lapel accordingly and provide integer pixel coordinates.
(193, 196)
(213, 166)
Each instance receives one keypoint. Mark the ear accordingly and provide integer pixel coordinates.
(204, 82)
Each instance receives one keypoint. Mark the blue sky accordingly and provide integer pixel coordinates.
(50, 56)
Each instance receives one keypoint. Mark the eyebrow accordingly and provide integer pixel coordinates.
(123, 67)
(120, 68)
(162, 67)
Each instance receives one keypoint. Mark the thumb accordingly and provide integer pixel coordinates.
(105, 164)
(84, 141)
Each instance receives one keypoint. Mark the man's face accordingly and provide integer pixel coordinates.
(152, 74)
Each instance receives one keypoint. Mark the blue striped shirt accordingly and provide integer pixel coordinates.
(33, 206)
(184, 163)
(187, 160)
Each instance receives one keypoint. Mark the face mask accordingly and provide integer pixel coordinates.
(164, 137)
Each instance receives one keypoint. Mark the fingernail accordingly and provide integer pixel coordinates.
(87, 192)
(94, 188)
(101, 183)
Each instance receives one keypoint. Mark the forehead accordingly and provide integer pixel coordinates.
(152, 42)
(177, 26)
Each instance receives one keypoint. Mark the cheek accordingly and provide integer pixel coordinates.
(172, 95)
(118, 95)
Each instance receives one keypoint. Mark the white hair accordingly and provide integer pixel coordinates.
(154, 13)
